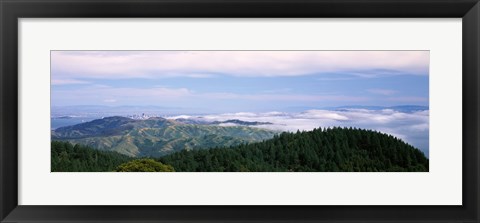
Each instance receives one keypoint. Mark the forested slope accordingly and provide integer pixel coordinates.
(319, 150)
(336, 149)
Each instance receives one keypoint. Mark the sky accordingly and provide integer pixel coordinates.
(293, 90)
(239, 81)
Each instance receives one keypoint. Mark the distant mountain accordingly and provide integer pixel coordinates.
(400, 108)
(155, 136)
(240, 122)
(409, 108)
(230, 121)
(193, 121)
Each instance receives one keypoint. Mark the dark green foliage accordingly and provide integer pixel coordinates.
(328, 150)
(66, 157)
(144, 165)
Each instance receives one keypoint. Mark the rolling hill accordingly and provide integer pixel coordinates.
(155, 137)
(320, 150)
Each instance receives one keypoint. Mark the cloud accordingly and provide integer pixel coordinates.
(282, 97)
(200, 75)
(382, 91)
(206, 64)
(323, 114)
(110, 100)
(275, 91)
(159, 94)
(412, 127)
(125, 95)
(67, 81)
(336, 78)
(408, 99)
(419, 127)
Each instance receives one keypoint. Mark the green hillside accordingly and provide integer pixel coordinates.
(155, 137)
(330, 150)
(66, 157)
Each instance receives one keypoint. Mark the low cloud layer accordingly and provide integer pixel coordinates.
(411, 127)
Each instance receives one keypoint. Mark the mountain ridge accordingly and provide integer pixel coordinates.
(155, 136)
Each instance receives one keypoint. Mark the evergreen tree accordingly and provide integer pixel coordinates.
(334, 149)
(144, 165)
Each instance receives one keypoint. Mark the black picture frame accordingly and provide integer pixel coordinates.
(12, 10)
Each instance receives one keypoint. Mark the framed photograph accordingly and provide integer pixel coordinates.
(227, 111)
